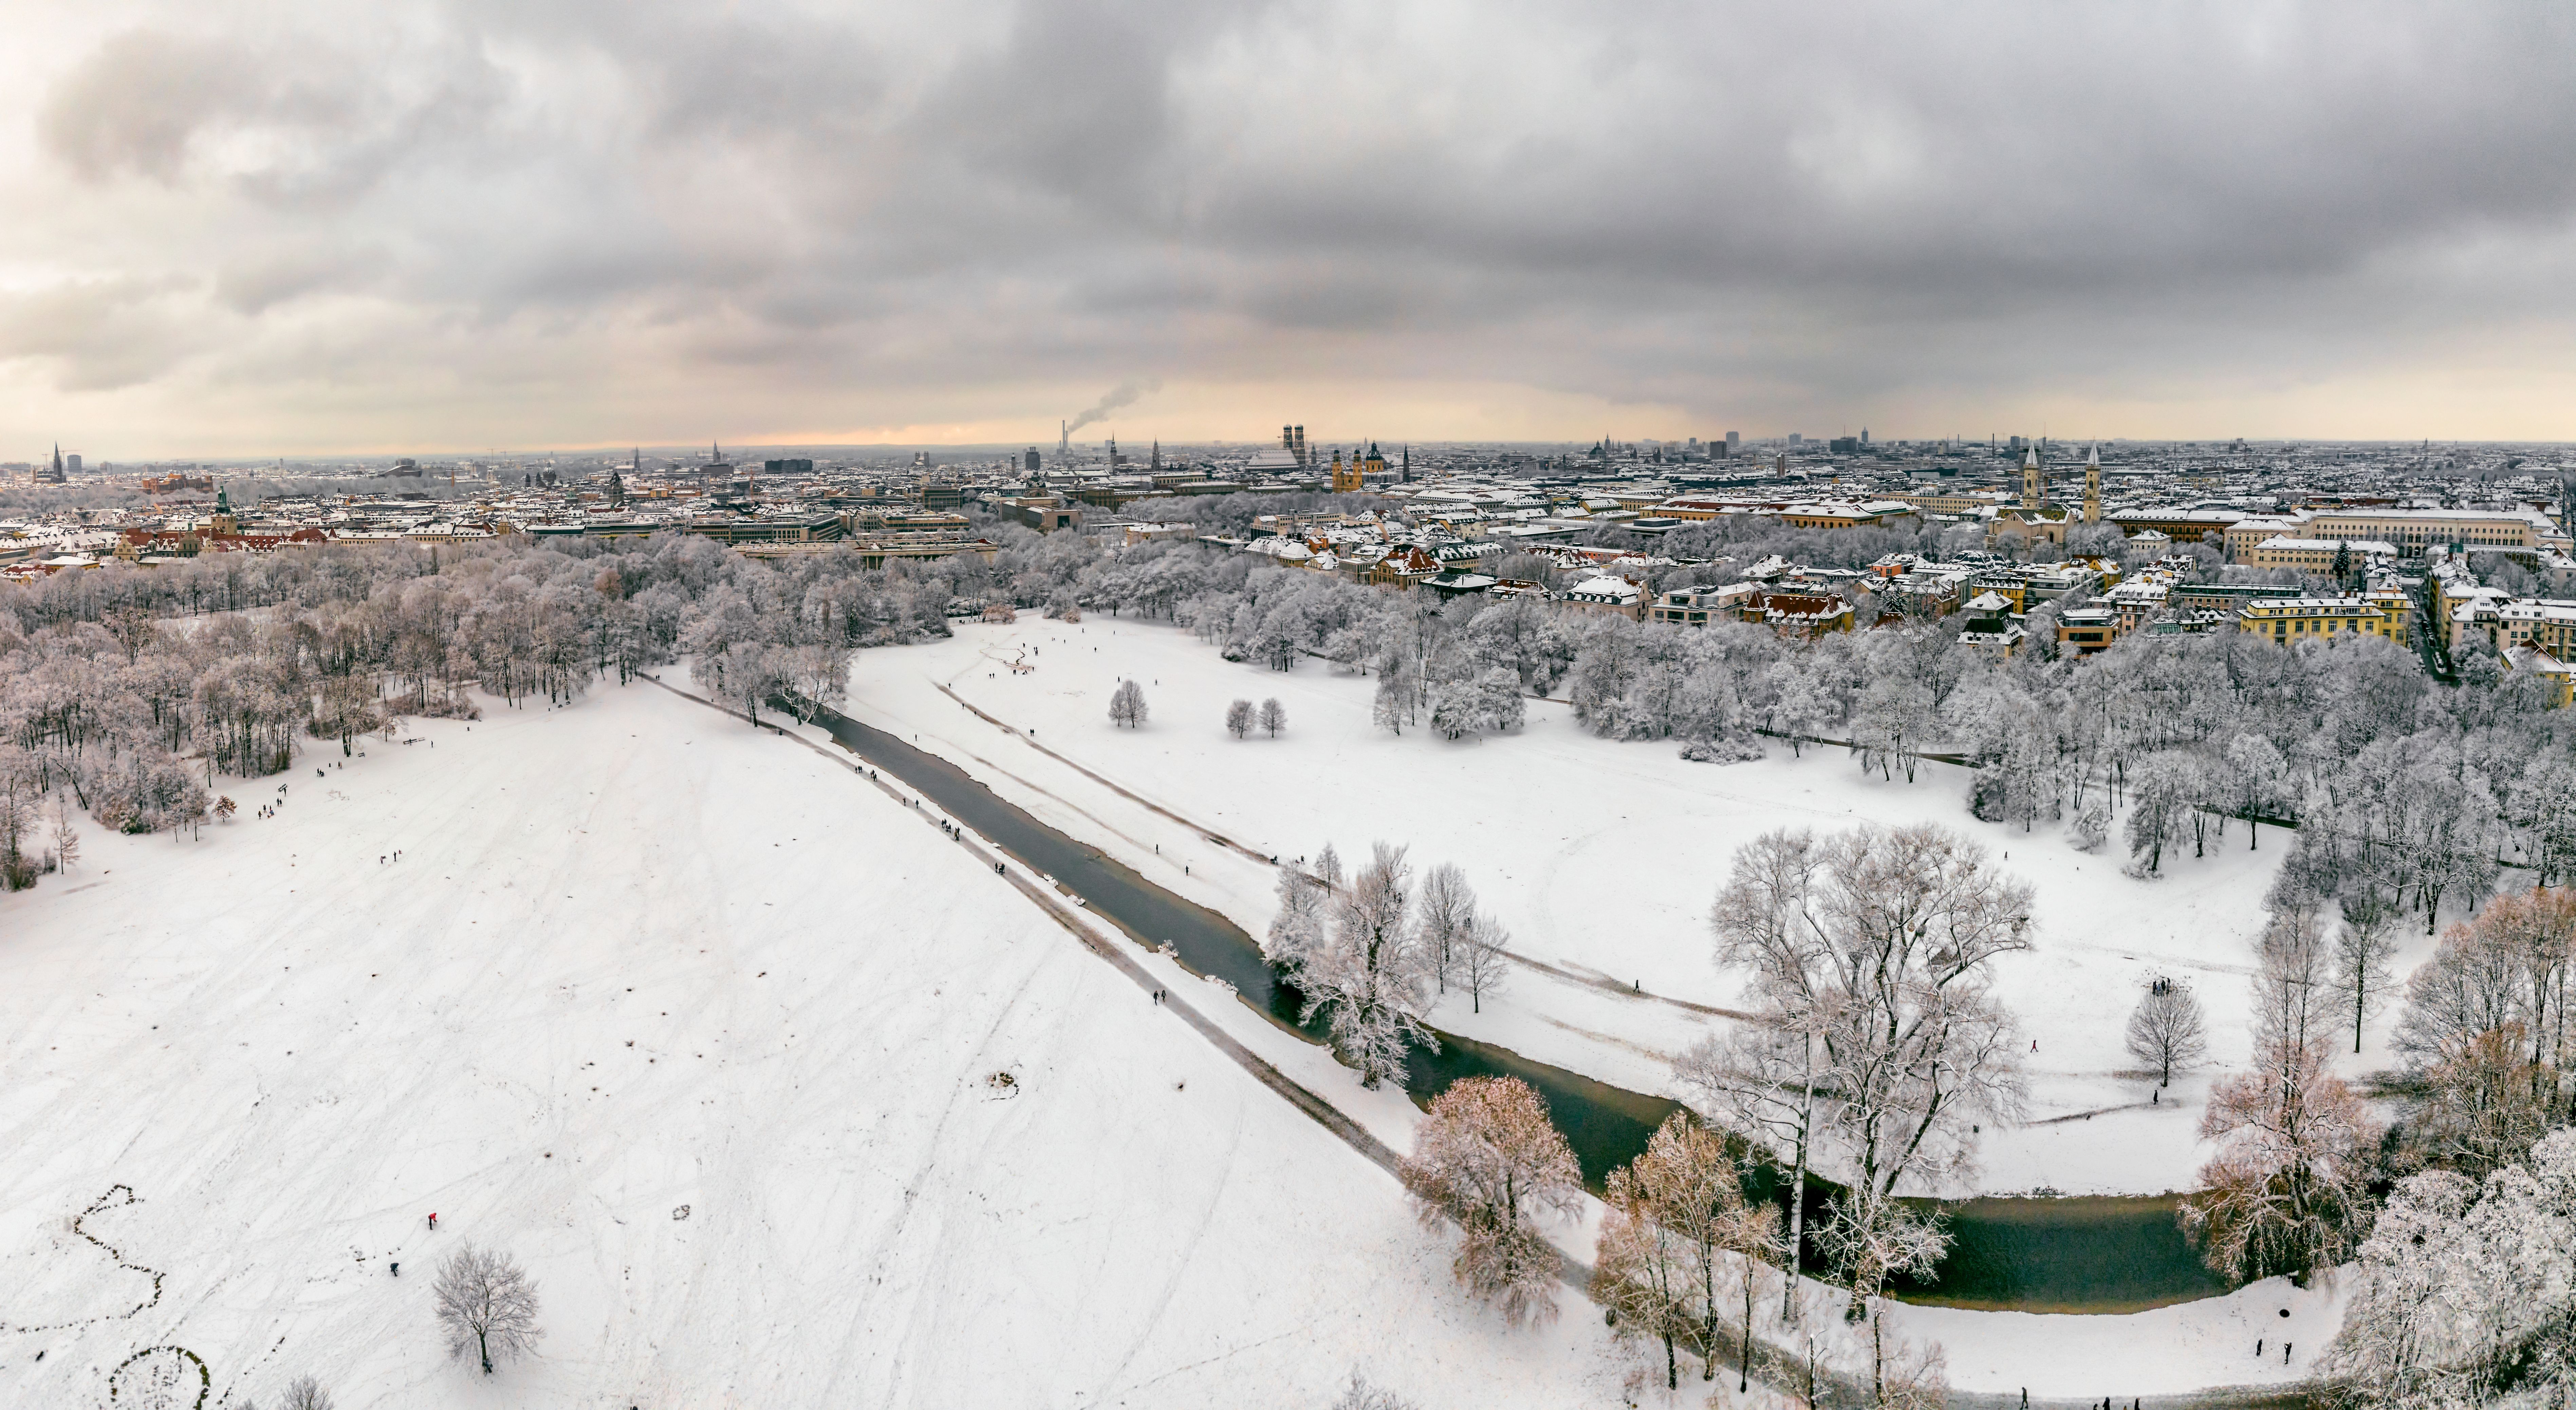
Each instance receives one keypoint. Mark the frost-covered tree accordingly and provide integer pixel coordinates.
(2160, 799)
(1391, 708)
(1370, 980)
(1447, 904)
(1486, 1161)
(2166, 1029)
(1875, 1247)
(304, 1393)
(1127, 705)
(2465, 1292)
(1894, 716)
(2091, 826)
(1881, 942)
(2253, 779)
(1274, 717)
(485, 1301)
(1641, 1270)
(1361, 1395)
(2364, 944)
(2486, 1029)
(2028, 772)
(2287, 1190)
(2484, 1101)
(1762, 1079)
(1482, 956)
(1304, 906)
(1238, 718)
(1678, 1238)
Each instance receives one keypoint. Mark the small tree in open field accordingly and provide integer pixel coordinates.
(1127, 705)
(487, 1302)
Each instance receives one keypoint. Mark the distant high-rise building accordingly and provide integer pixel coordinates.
(1797, 440)
(1029, 462)
(1864, 435)
(1733, 439)
(72, 463)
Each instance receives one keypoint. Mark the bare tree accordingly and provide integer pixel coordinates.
(1299, 925)
(1238, 718)
(2287, 1190)
(1127, 705)
(1360, 1395)
(1482, 963)
(486, 1302)
(1447, 904)
(1761, 1078)
(2485, 1102)
(1880, 942)
(1750, 1230)
(2363, 948)
(1874, 1245)
(2167, 1030)
(1678, 1232)
(1371, 979)
(305, 1393)
(1274, 717)
(1641, 1271)
(1486, 1160)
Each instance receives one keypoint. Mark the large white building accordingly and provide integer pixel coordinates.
(2409, 531)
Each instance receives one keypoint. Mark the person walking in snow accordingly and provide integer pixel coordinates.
(433, 1222)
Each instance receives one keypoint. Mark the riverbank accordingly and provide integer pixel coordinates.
(2191, 1342)
(1601, 856)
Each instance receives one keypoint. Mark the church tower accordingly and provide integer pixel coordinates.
(224, 525)
(2093, 486)
(1346, 478)
(2034, 483)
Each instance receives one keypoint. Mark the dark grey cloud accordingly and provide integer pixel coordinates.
(1733, 209)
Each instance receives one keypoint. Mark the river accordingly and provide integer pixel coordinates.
(2084, 1254)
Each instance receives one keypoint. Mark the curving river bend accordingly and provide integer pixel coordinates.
(2082, 1254)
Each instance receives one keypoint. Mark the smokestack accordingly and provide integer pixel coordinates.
(1063, 438)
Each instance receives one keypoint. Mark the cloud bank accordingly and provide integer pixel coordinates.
(459, 223)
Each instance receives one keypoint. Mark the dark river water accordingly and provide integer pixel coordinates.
(2079, 1254)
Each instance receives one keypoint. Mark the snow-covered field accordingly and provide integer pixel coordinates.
(1602, 857)
(701, 1028)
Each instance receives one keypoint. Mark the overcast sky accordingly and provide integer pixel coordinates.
(399, 225)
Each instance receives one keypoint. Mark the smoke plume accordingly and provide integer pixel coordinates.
(1118, 396)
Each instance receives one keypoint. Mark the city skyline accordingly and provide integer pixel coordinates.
(435, 227)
